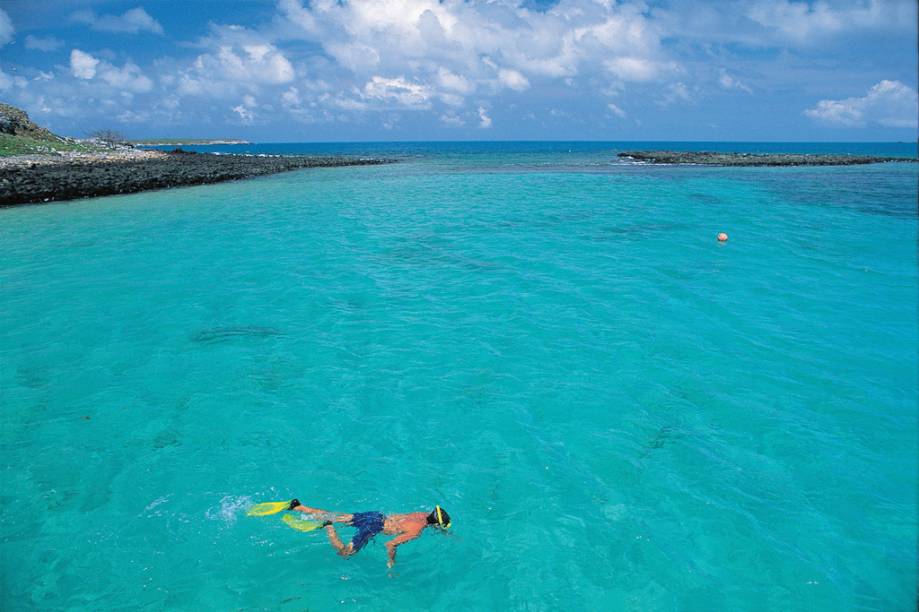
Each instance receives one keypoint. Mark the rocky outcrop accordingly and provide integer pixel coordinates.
(33, 179)
(755, 159)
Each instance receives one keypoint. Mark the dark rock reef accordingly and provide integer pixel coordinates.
(755, 159)
(33, 179)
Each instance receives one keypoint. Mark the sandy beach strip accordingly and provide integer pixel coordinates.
(32, 179)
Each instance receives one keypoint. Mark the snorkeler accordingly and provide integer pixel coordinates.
(406, 527)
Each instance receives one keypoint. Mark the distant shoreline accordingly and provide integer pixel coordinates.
(35, 179)
(709, 158)
(175, 142)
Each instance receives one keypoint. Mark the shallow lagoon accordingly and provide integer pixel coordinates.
(616, 410)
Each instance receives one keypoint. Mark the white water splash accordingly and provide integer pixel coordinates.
(229, 509)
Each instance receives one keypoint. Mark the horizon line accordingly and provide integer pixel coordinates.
(248, 141)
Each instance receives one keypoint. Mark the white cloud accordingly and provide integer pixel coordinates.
(452, 119)
(729, 82)
(342, 102)
(797, 20)
(127, 78)
(482, 43)
(805, 22)
(513, 79)
(83, 65)
(232, 66)
(889, 103)
(462, 60)
(291, 97)
(484, 119)
(398, 91)
(454, 82)
(6, 28)
(676, 93)
(783, 23)
(130, 22)
(632, 68)
(615, 110)
(8, 82)
(48, 43)
(246, 116)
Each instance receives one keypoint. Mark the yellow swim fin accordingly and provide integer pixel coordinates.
(300, 524)
(266, 508)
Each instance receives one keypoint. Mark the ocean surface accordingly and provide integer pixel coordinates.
(617, 411)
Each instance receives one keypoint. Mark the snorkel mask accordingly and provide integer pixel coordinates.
(440, 518)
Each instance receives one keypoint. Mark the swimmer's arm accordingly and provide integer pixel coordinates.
(398, 541)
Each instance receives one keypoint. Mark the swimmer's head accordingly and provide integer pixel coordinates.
(722, 237)
(439, 518)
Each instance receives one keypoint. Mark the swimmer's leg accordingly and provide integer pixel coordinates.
(345, 550)
(322, 515)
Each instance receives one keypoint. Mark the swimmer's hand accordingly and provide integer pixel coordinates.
(391, 551)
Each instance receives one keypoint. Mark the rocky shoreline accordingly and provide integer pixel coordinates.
(30, 179)
(755, 159)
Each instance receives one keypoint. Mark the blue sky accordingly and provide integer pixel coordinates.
(324, 70)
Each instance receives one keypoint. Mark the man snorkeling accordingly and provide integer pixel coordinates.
(406, 527)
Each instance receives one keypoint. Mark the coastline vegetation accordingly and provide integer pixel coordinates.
(24, 145)
(20, 136)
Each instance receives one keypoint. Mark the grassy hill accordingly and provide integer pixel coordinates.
(20, 136)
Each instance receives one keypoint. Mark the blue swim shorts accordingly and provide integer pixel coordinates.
(368, 525)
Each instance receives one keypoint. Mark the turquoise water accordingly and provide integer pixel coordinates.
(617, 411)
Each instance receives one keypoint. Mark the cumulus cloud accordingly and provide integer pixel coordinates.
(889, 103)
(130, 22)
(83, 65)
(454, 82)
(246, 116)
(291, 98)
(49, 43)
(398, 91)
(484, 119)
(467, 46)
(632, 68)
(463, 60)
(513, 79)
(127, 78)
(240, 60)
